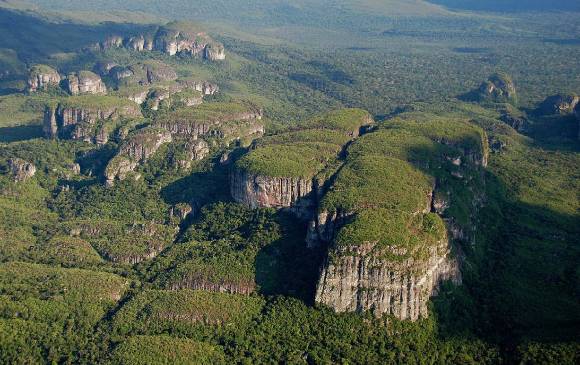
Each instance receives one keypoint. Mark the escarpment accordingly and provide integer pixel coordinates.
(176, 38)
(280, 170)
(399, 209)
(228, 121)
(42, 77)
(388, 210)
(87, 118)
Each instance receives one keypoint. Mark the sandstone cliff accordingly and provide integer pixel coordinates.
(280, 170)
(362, 280)
(85, 82)
(263, 191)
(41, 77)
(79, 117)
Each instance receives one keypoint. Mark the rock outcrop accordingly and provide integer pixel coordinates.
(217, 120)
(21, 170)
(172, 39)
(42, 77)
(85, 82)
(78, 117)
(272, 192)
(499, 88)
(559, 104)
(134, 151)
(195, 150)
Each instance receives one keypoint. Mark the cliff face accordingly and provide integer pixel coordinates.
(78, 121)
(85, 82)
(363, 281)
(42, 77)
(273, 192)
(172, 39)
(194, 127)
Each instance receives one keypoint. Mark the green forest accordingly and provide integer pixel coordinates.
(173, 206)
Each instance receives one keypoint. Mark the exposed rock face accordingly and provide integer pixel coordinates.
(172, 39)
(85, 82)
(20, 169)
(196, 281)
(78, 121)
(498, 88)
(41, 77)
(559, 104)
(363, 281)
(195, 150)
(262, 191)
(134, 151)
(188, 127)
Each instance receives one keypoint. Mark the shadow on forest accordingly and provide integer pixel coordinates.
(34, 38)
(520, 280)
(287, 267)
(20, 133)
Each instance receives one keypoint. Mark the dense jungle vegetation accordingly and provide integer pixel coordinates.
(94, 274)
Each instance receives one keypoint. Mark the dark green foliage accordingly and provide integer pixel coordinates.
(160, 350)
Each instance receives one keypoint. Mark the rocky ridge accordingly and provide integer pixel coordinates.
(172, 39)
(87, 118)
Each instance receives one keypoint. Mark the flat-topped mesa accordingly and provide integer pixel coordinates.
(173, 38)
(280, 170)
(135, 150)
(387, 215)
(142, 73)
(88, 118)
(42, 77)
(85, 82)
(220, 120)
(559, 104)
